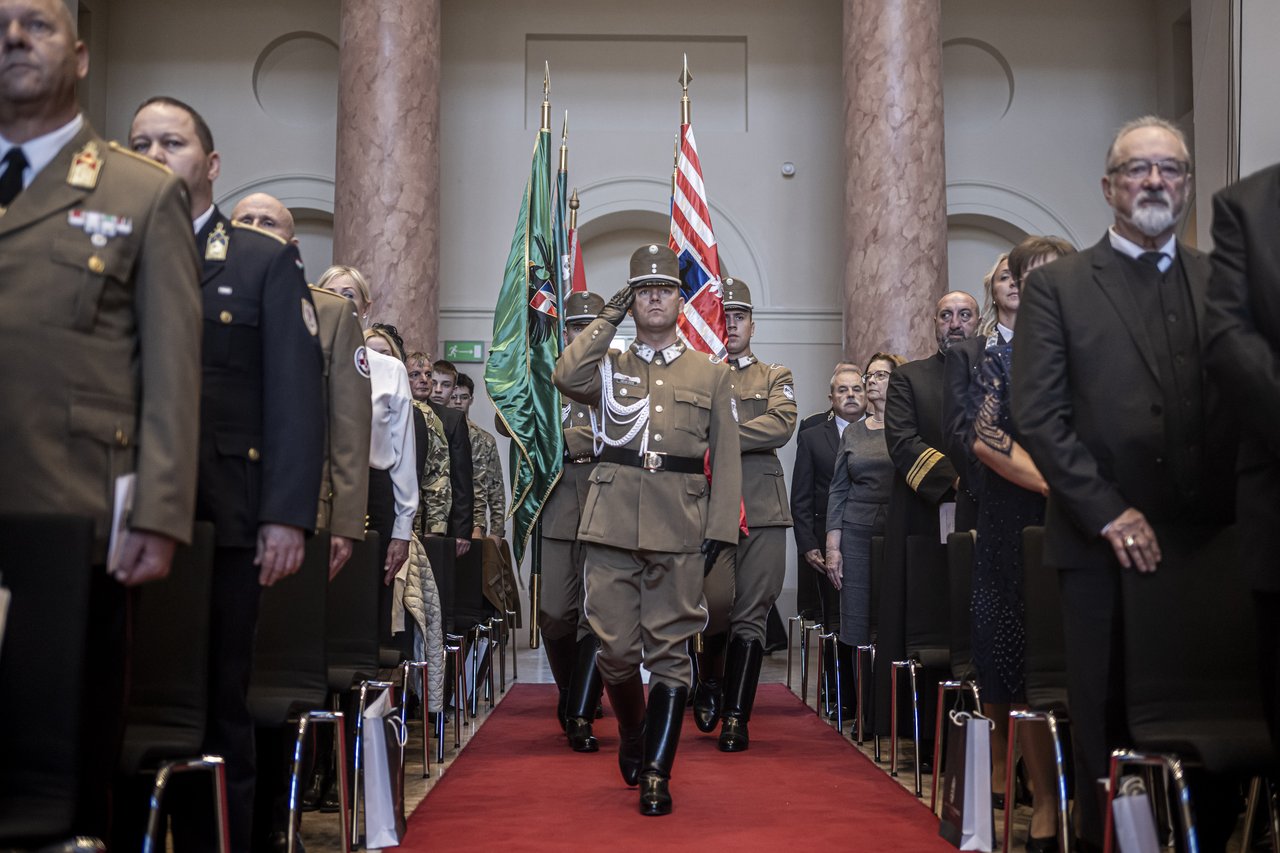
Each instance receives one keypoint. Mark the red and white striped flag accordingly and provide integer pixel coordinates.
(702, 322)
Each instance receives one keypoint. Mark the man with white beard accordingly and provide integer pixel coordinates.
(1110, 400)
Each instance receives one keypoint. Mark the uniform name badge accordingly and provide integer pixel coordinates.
(85, 167)
(215, 248)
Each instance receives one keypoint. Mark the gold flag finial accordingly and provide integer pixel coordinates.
(573, 210)
(546, 96)
(564, 144)
(685, 79)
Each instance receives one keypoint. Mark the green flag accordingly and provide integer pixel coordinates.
(526, 342)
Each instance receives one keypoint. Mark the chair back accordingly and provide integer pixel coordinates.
(960, 582)
(169, 676)
(440, 553)
(47, 565)
(1045, 656)
(928, 603)
(290, 669)
(351, 616)
(1191, 662)
(470, 606)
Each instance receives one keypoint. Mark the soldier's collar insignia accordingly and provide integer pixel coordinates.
(673, 352)
(643, 350)
(744, 361)
(85, 167)
(215, 248)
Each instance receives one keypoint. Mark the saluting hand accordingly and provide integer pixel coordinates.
(280, 548)
(618, 306)
(144, 557)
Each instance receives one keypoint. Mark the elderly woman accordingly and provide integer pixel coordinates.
(857, 503)
(1011, 498)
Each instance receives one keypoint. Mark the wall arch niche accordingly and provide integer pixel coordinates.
(310, 200)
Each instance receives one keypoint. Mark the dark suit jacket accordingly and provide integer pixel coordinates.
(815, 419)
(461, 473)
(1088, 405)
(811, 480)
(262, 416)
(1242, 343)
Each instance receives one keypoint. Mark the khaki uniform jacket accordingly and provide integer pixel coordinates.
(435, 495)
(689, 414)
(563, 510)
(344, 480)
(100, 345)
(764, 395)
(491, 496)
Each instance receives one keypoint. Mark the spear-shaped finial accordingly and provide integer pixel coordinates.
(573, 210)
(564, 144)
(546, 96)
(685, 79)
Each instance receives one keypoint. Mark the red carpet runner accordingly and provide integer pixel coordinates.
(517, 786)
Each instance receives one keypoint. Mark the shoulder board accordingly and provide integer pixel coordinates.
(715, 359)
(276, 237)
(120, 149)
(777, 366)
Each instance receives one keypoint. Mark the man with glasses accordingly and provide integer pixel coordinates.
(1110, 401)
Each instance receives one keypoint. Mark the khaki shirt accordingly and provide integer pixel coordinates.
(765, 400)
(563, 509)
(100, 341)
(491, 495)
(689, 413)
(435, 496)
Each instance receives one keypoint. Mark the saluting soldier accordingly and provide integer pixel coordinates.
(652, 522)
(99, 357)
(747, 579)
(261, 440)
(570, 643)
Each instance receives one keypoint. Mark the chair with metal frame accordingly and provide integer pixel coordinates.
(1192, 694)
(867, 651)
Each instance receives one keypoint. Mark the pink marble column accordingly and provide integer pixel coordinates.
(895, 215)
(387, 194)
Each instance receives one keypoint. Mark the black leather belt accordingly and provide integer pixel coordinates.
(653, 461)
(579, 460)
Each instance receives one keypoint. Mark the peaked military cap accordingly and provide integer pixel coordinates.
(582, 305)
(736, 294)
(654, 264)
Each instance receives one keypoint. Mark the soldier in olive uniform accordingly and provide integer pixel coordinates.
(262, 424)
(435, 497)
(652, 523)
(99, 358)
(747, 579)
(571, 645)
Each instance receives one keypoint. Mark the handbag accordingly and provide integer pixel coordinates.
(967, 819)
(1133, 818)
(384, 822)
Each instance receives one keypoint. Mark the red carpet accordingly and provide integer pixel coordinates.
(517, 786)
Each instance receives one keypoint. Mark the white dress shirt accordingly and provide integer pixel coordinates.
(391, 443)
(841, 423)
(41, 150)
(1125, 246)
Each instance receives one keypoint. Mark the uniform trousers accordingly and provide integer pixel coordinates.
(560, 611)
(233, 622)
(382, 519)
(644, 606)
(745, 583)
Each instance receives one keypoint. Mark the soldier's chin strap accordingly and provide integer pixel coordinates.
(636, 414)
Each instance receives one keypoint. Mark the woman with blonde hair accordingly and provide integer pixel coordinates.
(994, 286)
(351, 283)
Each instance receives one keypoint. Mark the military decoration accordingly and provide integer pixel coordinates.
(100, 227)
(362, 362)
(85, 167)
(215, 248)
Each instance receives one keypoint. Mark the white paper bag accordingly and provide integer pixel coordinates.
(967, 819)
(1133, 817)
(384, 822)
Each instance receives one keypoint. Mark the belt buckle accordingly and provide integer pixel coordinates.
(653, 460)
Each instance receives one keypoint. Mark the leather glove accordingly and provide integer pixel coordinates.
(711, 549)
(618, 306)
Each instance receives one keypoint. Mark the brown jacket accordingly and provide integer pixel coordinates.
(764, 395)
(100, 341)
(689, 414)
(563, 509)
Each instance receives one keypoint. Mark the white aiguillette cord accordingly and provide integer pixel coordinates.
(636, 414)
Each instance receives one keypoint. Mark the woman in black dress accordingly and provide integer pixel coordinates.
(1012, 498)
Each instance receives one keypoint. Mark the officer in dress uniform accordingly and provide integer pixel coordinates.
(747, 579)
(571, 646)
(262, 425)
(99, 366)
(652, 523)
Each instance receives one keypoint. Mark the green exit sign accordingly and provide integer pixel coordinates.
(464, 351)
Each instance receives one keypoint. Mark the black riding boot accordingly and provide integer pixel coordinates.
(708, 692)
(661, 737)
(627, 699)
(561, 654)
(742, 673)
(584, 695)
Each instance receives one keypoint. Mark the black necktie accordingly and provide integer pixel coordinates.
(1153, 258)
(11, 181)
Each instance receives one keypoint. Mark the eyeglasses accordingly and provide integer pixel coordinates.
(878, 375)
(1136, 170)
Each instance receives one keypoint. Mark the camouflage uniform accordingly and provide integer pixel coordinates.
(491, 496)
(435, 495)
